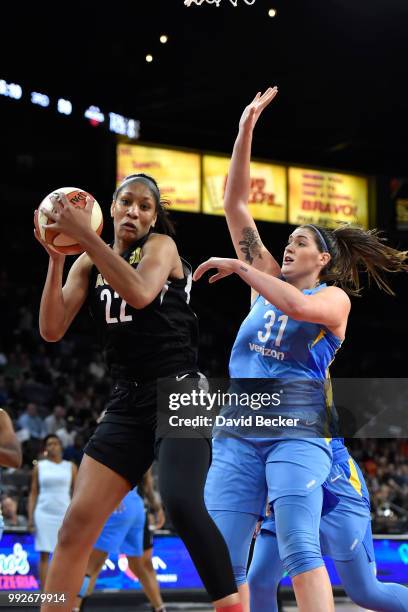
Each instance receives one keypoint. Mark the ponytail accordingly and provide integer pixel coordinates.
(354, 250)
(164, 223)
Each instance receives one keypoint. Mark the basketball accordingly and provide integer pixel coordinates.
(62, 242)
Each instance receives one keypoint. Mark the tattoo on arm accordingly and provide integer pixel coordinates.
(243, 268)
(250, 245)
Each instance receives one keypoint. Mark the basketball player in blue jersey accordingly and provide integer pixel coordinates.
(294, 328)
(345, 536)
(123, 533)
(138, 292)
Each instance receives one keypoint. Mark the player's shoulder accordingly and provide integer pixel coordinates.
(336, 293)
(161, 242)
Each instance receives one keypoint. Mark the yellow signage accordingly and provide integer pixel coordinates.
(267, 200)
(325, 198)
(176, 172)
(402, 213)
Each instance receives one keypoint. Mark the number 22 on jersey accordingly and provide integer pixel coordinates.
(123, 317)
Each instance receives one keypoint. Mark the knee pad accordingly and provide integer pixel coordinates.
(240, 574)
(299, 563)
(84, 586)
(297, 530)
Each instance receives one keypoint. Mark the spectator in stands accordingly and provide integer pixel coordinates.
(52, 484)
(56, 420)
(10, 516)
(97, 367)
(3, 358)
(31, 421)
(67, 433)
(4, 395)
(75, 451)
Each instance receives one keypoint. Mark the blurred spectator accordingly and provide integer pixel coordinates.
(75, 451)
(10, 516)
(371, 467)
(67, 433)
(52, 484)
(32, 422)
(56, 420)
(4, 395)
(97, 367)
(3, 359)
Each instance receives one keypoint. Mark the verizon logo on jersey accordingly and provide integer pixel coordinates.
(266, 352)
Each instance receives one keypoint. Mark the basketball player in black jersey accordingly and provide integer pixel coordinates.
(138, 292)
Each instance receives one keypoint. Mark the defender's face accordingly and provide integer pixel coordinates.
(301, 255)
(133, 212)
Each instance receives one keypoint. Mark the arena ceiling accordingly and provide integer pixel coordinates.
(339, 65)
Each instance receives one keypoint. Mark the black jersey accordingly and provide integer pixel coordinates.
(148, 343)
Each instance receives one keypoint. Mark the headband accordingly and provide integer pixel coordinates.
(321, 238)
(146, 181)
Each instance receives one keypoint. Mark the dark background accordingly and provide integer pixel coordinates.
(343, 104)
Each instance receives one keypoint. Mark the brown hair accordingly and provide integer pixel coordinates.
(354, 250)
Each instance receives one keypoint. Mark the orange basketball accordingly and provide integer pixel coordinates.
(62, 242)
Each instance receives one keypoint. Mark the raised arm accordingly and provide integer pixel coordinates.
(245, 237)
(10, 448)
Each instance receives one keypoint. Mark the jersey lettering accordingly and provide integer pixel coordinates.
(123, 317)
(264, 337)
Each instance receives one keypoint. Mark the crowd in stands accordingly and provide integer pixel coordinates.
(61, 388)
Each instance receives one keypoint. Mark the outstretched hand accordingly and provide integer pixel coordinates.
(224, 266)
(253, 111)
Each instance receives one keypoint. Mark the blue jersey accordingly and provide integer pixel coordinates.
(340, 452)
(270, 344)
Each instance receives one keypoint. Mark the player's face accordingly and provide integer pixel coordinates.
(301, 256)
(133, 212)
